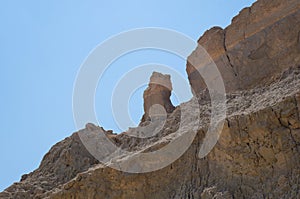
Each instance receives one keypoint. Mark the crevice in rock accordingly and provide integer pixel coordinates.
(297, 105)
(247, 22)
(250, 10)
(228, 122)
(298, 41)
(289, 129)
(226, 53)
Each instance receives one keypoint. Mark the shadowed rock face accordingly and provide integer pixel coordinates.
(157, 95)
(258, 152)
(261, 42)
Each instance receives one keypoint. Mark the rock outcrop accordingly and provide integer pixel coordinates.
(261, 42)
(61, 164)
(257, 156)
(157, 96)
(258, 151)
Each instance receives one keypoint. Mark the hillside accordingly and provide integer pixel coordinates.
(257, 154)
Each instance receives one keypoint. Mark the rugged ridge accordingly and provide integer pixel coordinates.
(257, 154)
(260, 43)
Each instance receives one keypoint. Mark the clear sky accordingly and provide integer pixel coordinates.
(43, 44)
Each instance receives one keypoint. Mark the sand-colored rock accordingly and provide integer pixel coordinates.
(257, 156)
(261, 42)
(258, 152)
(157, 96)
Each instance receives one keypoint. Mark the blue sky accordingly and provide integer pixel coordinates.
(43, 44)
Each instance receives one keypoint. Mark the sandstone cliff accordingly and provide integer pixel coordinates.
(261, 42)
(257, 154)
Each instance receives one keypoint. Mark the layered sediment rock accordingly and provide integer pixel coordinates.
(257, 154)
(261, 42)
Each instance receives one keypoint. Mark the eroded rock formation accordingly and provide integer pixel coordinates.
(258, 152)
(257, 156)
(261, 42)
(157, 95)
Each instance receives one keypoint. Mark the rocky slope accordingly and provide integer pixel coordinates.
(257, 154)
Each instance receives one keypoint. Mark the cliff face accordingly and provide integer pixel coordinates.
(257, 156)
(258, 152)
(261, 42)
